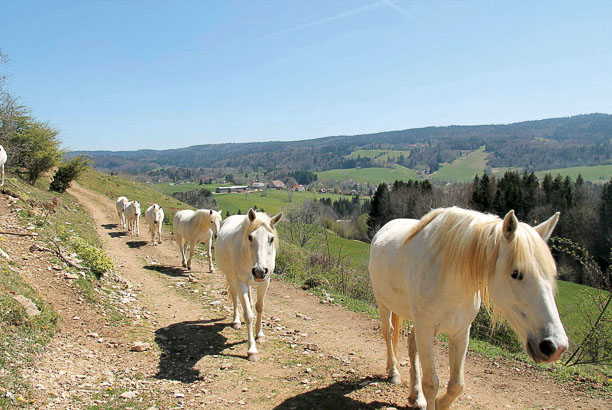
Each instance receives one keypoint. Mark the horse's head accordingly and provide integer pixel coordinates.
(157, 216)
(262, 240)
(215, 221)
(136, 208)
(523, 285)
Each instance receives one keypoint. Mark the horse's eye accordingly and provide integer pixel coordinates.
(271, 240)
(250, 238)
(516, 275)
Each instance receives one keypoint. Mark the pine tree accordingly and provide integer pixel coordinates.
(380, 210)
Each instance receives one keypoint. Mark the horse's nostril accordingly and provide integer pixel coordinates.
(265, 271)
(547, 348)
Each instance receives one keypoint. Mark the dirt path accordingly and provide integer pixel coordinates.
(316, 355)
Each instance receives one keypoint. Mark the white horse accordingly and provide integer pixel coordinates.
(3, 158)
(246, 253)
(132, 216)
(191, 227)
(121, 204)
(154, 217)
(435, 272)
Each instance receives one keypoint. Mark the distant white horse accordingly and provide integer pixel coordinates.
(435, 272)
(132, 215)
(3, 158)
(191, 227)
(121, 204)
(246, 253)
(154, 217)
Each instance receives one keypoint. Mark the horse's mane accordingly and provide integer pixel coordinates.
(468, 243)
(261, 219)
(199, 215)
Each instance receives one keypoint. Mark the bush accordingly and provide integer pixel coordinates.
(500, 335)
(68, 172)
(96, 258)
(37, 149)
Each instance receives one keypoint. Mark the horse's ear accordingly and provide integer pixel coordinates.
(210, 212)
(276, 218)
(221, 212)
(252, 215)
(545, 229)
(510, 225)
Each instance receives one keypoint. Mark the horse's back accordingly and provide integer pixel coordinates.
(228, 243)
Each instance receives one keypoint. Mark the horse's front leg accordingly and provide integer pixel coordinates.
(387, 329)
(416, 398)
(259, 306)
(248, 318)
(192, 246)
(424, 337)
(138, 226)
(2, 184)
(457, 346)
(159, 235)
(234, 296)
(209, 250)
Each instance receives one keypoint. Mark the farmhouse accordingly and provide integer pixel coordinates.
(276, 184)
(231, 189)
(298, 188)
(258, 185)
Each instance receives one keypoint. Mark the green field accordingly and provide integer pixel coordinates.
(271, 201)
(463, 168)
(378, 154)
(595, 174)
(373, 175)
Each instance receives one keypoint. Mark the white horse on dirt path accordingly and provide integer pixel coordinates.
(132, 216)
(154, 217)
(246, 253)
(192, 227)
(3, 158)
(120, 205)
(435, 272)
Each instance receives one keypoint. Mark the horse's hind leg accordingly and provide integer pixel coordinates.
(259, 306)
(192, 247)
(416, 398)
(387, 328)
(457, 346)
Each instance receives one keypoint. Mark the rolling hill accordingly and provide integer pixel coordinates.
(556, 143)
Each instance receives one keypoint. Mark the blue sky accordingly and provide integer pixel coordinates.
(159, 74)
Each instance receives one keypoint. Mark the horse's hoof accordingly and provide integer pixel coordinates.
(253, 357)
(212, 270)
(395, 380)
(419, 402)
(236, 325)
(260, 339)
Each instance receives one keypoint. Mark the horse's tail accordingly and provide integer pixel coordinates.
(396, 322)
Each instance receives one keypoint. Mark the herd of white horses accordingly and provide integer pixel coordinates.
(435, 271)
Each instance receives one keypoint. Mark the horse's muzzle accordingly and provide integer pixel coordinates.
(259, 275)
(547, 351)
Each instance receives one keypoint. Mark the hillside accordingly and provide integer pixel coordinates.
(536, 145)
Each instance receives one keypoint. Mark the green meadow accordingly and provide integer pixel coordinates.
(378, 154)
(463, 168)
(373, 175)
(596, 174)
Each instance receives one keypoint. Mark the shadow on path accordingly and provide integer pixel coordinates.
(117, 234)
(109, 226)
(136, 244)
(333, 396)
(184, 344)
(168, 270)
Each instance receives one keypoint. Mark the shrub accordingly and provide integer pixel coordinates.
(96, 258)
(68, 172)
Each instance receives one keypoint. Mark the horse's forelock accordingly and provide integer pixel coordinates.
(262, 219)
